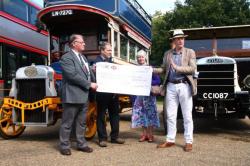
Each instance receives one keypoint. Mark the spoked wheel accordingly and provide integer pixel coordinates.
(8, 129)
(91, 121)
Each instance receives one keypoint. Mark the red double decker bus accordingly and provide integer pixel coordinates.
(21, 42)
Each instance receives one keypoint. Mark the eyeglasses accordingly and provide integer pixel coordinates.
(80, 42)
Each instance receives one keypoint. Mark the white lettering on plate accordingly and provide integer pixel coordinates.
(62, 13)
(215, 95)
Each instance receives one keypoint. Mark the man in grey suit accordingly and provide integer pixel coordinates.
(76, 84)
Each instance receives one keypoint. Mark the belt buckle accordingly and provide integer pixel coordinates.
(180, 81)
(184, 81)
(176, 81)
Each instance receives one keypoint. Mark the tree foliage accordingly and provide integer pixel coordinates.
(196, 13)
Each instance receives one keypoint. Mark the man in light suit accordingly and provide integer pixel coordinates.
(76, 84)
(179, 66)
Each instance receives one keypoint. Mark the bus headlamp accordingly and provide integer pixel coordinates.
(246, 81)
(30, 71)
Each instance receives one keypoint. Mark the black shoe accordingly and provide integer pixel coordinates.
(117, 141)
(85, 149)
(66, 152)
(102, 144)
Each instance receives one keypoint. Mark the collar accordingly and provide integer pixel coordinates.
(180, 52)
(102, 57)
(105, 59)
(75, 52)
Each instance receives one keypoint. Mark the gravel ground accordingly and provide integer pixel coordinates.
(224, 142)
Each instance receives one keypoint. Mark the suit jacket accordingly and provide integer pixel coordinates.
(188, 67)
(75, 83)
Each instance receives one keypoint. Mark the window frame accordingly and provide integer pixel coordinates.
(1, 5)
(30, 14)
(15, 13)
(127, 45)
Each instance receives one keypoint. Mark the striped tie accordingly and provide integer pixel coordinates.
(84, 66)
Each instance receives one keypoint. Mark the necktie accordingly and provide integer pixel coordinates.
(81, 61)
(84, 65)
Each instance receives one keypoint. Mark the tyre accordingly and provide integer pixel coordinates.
(8, 129)
(91, 116)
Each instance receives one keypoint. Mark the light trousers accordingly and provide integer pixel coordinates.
(179, 94)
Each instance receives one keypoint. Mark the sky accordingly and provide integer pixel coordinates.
(149, 5)
(161, 5)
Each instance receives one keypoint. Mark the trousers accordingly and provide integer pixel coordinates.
(110, 103)
(179, 94)
(73, 113)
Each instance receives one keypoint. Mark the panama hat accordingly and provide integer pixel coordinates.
(178, 33)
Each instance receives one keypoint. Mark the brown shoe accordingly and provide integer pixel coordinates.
(143, 138)
(188, 147)
(166, 145)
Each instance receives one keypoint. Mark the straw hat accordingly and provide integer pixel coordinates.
(178, 33)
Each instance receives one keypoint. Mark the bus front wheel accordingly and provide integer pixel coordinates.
(8, 129)
(91, 126)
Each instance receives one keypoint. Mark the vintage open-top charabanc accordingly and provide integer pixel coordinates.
(34, 99)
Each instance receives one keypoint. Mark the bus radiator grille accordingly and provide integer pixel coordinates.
(216, 81)
(29, 91)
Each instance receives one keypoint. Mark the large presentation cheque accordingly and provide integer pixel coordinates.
(123, 79)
